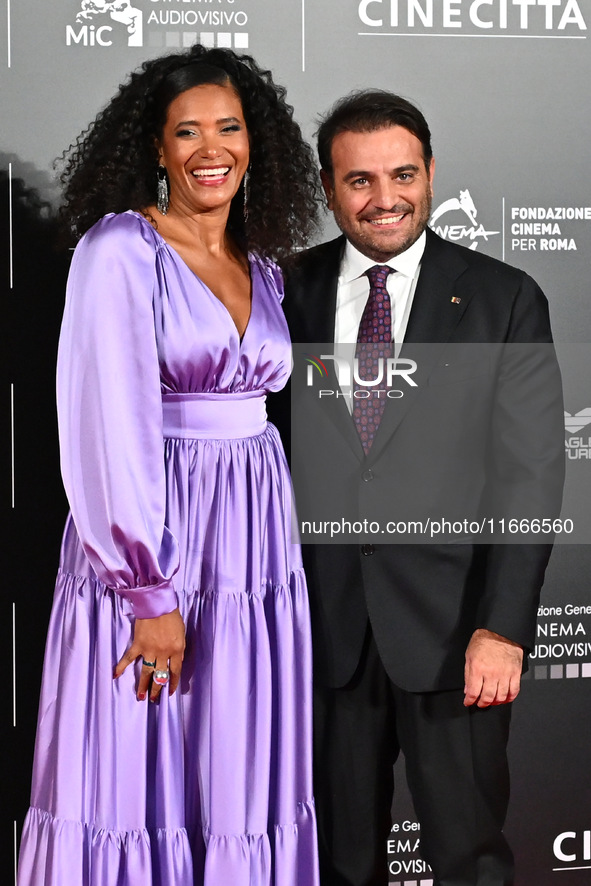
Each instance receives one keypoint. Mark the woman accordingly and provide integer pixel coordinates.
(178, 582)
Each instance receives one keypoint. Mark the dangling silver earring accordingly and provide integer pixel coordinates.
(246, 184)
(162, 191)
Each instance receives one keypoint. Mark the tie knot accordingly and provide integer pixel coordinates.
(378, 275)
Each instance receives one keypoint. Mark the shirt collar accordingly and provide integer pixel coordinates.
(354, 264)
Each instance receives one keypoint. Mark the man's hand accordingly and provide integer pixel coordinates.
(493, 669)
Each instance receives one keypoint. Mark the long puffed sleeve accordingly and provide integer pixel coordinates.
(110, 415)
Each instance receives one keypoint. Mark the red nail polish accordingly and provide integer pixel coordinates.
(142, 696)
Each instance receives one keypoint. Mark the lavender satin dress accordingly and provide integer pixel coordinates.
(179, 491)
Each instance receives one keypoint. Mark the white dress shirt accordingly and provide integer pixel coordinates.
(353, 290)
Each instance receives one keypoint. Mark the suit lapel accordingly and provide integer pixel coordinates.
(434, 316)
(318, 293)
(312, 321)
(336, 406)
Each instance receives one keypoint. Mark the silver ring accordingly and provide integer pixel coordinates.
(161, 677)
(148, 664)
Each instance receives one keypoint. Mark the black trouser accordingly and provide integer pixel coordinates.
(456, 767)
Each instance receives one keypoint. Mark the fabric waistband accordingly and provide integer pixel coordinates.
(214, 416)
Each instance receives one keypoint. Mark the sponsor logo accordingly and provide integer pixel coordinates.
(573, 849)
(463, 18)
(577, 447)
(84, 33)
(465, 228)
(103, 23)
(546, 228)
(197, 17)
(578, 421)
(562, 650)
(404, 858)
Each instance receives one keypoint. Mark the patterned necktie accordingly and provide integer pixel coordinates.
(374, 341)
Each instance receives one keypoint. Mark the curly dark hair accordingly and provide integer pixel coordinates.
(113, 164)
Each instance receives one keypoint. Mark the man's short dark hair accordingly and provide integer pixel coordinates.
(366, 111)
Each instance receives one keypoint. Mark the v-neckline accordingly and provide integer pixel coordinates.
(176, 254)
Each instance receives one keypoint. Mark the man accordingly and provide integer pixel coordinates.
(417, 648)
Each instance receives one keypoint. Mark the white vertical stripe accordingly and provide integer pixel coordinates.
(303, 35)
(12, 472)
(10, 238)
(14, 664)
(8, 58)
(503, 235)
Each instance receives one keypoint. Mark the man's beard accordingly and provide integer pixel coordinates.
(376, 247)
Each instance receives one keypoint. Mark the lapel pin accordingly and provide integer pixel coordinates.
(456, 300)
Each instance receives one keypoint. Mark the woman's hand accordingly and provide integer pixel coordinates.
(160, 640)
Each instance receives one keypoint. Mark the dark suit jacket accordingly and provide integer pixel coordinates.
(425, 600)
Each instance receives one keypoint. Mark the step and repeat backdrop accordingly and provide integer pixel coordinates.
(504, 87)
